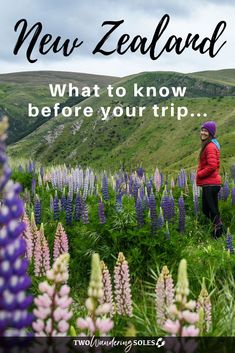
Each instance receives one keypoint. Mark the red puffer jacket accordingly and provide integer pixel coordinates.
(208, 167)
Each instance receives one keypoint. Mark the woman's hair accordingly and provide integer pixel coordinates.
(204, 144)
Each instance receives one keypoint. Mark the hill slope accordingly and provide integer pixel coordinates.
(130, 140)
(18, 89)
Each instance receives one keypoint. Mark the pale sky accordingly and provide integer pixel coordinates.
(83, 19)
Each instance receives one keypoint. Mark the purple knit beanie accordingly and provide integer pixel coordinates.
(210, 126)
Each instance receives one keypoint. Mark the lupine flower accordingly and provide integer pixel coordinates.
(139, 212)
(28, 237)
(167, 232)
(118, 203)
(101, 213)
(37, 210)
(41, 171)
(182, 178)
(107, 288)
(196, 205)
(51, 204)
(233, 196)
(164, 295)
(63, 201)
(33, 186)
(34, 230)
(140, 172)
(14, 281)
(105, 189)
(181, 214)
(122, 286)
(85, 216)
(166, 205)
(204, 309)
(61, 245)
(160, 219)
(157, 179)
(56, 207)
(183, 318)
(172, 206)
(52, 310)
(78, 207)
(41, 254)
(226, 191)
(229, 242)
(69, 211)
(153, 213)
(96, 323)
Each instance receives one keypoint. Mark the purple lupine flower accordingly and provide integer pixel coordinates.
(160, 220)
(78, 207)
(14, 281)
(181, 214)
(182, 178)
(56, 207)
(229, 242)
(162, 179)
(37, 210)
(166, 205)
(139, 212)
(101, 213)
(69, 211)
(226, 191)
(136, 187)
(171, 206)
(149, 187)
(233, 196)
(41, 171)
(85, 216)
(140, 172)
(196, 205)
(122, 287)
(105, 187)
(33, 186)
(63, 201)
(153, 213)
(118, 203)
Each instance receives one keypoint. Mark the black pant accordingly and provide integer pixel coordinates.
(210, 202)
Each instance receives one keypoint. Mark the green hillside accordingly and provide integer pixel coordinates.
(18, 89)
(163, 141)
(224, 77)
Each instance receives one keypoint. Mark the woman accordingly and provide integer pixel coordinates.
(208, 176)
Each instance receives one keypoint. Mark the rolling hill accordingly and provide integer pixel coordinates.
(162, 141)
(18, 89)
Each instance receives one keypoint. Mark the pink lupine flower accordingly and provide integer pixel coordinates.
(52, 310)
(107, 288)
(182, 317)
(157, 179)
(41, 254)
(164, 295)
(204, 305)
(122, 286)
(60, 242)
(28, 237)
(96, 323)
